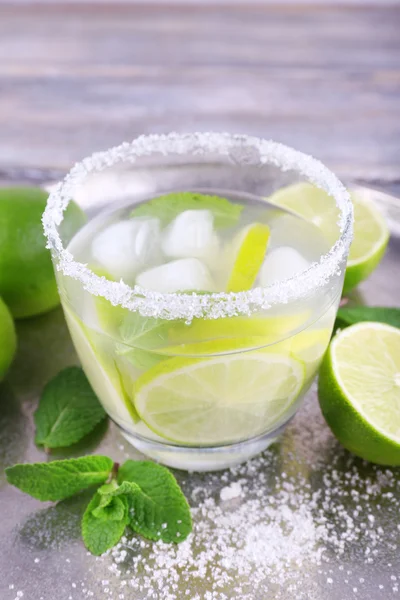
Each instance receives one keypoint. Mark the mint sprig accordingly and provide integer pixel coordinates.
(102, 531)
(160, 510)
(68, 410)
(142, 495)
(60, 479)
(350, 315)
(166, 208)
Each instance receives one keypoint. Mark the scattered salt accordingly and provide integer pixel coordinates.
(283, 538)
(234, 490)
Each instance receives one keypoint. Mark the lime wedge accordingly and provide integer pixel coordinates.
(371, 233)
(253, 242)
(102, 372)
(218, 400)
(359, 391)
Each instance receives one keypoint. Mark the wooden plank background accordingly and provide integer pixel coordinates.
(77, 78)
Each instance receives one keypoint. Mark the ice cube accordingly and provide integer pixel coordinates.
(191, 235)
(181, 275)
(281, 263)
(126, 247)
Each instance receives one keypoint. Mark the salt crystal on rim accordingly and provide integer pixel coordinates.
(217, 305)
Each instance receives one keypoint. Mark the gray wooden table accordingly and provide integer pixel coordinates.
(78, 78)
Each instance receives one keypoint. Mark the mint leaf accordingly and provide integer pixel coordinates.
(68, 410)
(100, 533)
(141, 359)
(166, 208)
(61, 478)
(112, 490)
(158, 510)
(139, 336)
(114, 510)
(382, 314)
(144, 332)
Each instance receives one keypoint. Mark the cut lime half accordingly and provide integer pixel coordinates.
(359, 391)
(218, 400)
(371, 233)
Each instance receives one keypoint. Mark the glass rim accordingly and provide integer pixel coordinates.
(192, 305)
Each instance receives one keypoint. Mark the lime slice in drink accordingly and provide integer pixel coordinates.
(359, 391)
(253, 242)
(371, 233)
(271, 329)
(213, 347)
(102, 372)
(217, 400)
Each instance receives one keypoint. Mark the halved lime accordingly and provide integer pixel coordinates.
(359, 391)
(253, 242)
(371, 233)
(218, 400)
(102, 372)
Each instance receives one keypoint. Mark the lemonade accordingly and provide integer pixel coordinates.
(201, 315)
(199, 383)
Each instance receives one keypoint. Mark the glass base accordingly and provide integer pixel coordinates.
(203, 459)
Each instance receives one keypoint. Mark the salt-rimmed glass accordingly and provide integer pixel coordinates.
(154, 165)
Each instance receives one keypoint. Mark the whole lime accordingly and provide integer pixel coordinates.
(27, 281)
(8, 339)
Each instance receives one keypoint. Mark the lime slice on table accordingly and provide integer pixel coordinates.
(102, 372)
(253, 242)
(359, 391)
(217, 400)
(371, 233)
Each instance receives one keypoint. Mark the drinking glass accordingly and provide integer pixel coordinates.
(197, 381)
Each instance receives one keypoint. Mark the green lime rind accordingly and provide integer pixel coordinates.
(349, 424)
